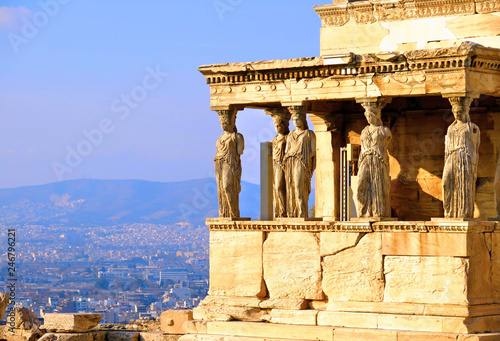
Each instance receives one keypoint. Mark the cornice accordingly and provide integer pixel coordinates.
(442, 59)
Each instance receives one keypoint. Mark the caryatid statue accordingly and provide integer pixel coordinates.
(300, 162)
(497, 188)
(374, 181)
(461, 159)
(230, 146)
(281, 119)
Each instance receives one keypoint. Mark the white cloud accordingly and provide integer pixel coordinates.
(11, 17)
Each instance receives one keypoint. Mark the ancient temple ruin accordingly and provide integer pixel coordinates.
(410, 91)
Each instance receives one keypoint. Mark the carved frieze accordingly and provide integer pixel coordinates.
(433, 8)
(388, 11)
(399, 226)
(335, 17)
(354, 227)
(487, 6)
(364, 12)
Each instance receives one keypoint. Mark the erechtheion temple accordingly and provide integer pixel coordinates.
(404, 143)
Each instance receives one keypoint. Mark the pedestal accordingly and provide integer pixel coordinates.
(439, 278)
(374, 219)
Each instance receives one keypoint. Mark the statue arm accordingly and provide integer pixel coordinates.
(240, 143)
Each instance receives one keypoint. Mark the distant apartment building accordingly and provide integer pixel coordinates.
(108, 316)
(174, 275)
(53, 301)
(81, 305)
(114, 273)
(180, 293)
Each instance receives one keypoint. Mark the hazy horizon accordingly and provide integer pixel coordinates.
(111, 90)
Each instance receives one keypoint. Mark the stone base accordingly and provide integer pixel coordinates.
(374, 219)
(433, 318)
(447, 220)
(297, 220)
(225, 220)
(235, 331)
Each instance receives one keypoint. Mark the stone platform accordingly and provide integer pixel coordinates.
(369, 277)
(240, 331)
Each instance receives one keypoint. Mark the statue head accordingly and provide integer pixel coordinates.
(299, 117)
(281, 118)
(300, 121)
(227, 119)
(373, 113)
(460, 107)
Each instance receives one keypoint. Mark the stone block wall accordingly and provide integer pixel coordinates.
(422, 271)
(372, 26)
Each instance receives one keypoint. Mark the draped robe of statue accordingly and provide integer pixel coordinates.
(460, 170)
(374, 181)
(279, 176)
(300, 161)
(497, 188)
(228, 173)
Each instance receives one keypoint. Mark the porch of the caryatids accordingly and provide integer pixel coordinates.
(281, 118)
(300, 162)
(374, 182)
(461, 161)
(229, 148)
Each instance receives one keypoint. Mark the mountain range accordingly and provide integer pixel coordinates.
(112, 202)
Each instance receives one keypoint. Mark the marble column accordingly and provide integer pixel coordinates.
(328, 144)
(497, 188)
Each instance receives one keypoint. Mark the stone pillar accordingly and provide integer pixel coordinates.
(266, 181)
(327, 182)
(497, 188)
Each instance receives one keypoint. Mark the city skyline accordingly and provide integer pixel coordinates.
(111, 90)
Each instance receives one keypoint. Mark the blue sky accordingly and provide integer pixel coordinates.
(73, 75)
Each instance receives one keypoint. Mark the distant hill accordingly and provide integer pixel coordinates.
(111, 202)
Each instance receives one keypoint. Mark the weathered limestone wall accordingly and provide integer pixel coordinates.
(370, 26)
(400, 275)
(417, 156)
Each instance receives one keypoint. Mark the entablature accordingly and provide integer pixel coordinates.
(457, 69)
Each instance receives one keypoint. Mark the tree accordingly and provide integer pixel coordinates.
(102, 283)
